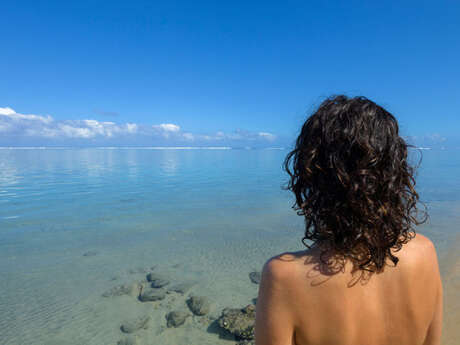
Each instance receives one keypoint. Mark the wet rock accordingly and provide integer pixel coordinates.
(246, 342)
(176, 318)
(149, 294)
(127, 341)
(136, 324)
(239, 322)
(255, 277)
(90, 253)
(124, 289)
(159, 283)
(157, 280)
(181, 288)
(199, 305)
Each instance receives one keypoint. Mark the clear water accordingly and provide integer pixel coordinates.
(207, 216)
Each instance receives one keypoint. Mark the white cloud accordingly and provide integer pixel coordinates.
(7, 111)
(241, 135)
(12, 115)
(38, 128)
(46, 127)
(268, 136)
(167, 130)
(4, 127)
(188, 136)
(167, 127)
(131, 128)
(76, 132)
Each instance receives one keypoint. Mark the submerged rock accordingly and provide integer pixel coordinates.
(90, 253)
(159, 283)
(239, 322)
(255, 277)
(150, 276)
(150, 294)
(157, 280)
(199, 305)
(176, 318)
(132, 326)
(246, 342)
(181, 288)
(127, 341)
(124, 289)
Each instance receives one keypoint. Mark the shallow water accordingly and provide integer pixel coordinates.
(205, 216)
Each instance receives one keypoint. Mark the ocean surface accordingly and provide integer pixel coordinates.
(75, 223)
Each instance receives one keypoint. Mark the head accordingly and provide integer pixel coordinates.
(352, 182)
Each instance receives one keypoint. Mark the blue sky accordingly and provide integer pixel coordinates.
(214, 73)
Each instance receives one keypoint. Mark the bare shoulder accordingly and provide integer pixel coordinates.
(423, 243)
(281, 269)
(418, 258)
(420, 248)
(280, 265)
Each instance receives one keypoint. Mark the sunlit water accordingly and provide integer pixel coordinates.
(206, 216)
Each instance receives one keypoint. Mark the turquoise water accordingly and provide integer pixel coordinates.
(207, 216)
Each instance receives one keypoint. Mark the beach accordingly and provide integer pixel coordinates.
(82, 229)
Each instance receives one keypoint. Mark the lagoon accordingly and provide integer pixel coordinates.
(77, 222)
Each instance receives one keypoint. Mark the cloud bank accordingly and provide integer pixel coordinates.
(18, 129)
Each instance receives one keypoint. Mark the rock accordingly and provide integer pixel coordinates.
(176, 318)
(90, 253)
(159, 283)
(199, 305)
(255, 277)
(125, 289)
(246, 342)
(127, 341)
(181, 288)
(239, 322)
(157, 280)
(150, 294)
(135, 324)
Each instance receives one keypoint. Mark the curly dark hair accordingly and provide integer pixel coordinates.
(352, 182)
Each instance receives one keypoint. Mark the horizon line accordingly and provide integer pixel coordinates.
(140, 147)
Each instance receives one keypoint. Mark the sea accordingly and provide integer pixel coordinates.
(78, 223)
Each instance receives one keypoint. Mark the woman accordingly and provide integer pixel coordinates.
(365, 278)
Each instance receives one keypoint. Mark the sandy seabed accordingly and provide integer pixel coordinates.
(60, 302)
(450, 271)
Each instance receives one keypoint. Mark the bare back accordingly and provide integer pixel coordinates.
(397, 306)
